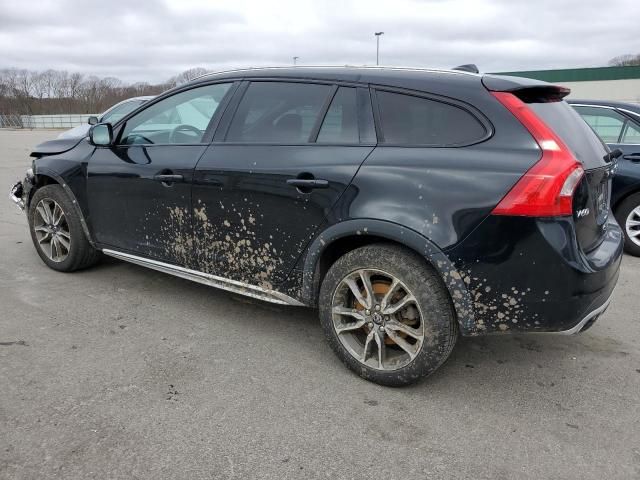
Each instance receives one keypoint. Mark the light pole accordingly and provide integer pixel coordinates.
(377, 34)
(295, 60)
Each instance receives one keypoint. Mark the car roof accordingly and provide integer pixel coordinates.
(454, 83)
(634, 107)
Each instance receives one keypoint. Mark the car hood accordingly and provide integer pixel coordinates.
(55, 146)
(79, 131)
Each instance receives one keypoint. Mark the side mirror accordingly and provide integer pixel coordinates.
(101, 134)
(92, 120)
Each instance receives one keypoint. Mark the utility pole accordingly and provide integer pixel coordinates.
(377, 34)
(295, 61)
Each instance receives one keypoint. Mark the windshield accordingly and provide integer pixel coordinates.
(116, 113)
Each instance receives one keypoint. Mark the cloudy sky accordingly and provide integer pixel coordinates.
(150, 40)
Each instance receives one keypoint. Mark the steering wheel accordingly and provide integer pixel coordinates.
(183, 128)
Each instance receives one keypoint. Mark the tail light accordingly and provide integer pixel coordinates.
(546, 189)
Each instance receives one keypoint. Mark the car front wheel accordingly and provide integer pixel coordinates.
(57, 232)
(387, 315)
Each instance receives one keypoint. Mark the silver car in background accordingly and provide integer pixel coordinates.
(111, 115)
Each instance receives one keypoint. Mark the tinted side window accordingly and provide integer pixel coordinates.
(180, 118)
(340, 124)
(410, 120)
(276, 112)
(605, 122)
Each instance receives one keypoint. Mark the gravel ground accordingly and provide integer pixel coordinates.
(120, 372)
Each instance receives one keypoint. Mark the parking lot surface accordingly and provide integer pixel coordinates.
(121, 372)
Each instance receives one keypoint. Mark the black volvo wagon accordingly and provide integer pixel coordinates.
(408, 206)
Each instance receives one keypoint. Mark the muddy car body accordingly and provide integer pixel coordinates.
(408, 206)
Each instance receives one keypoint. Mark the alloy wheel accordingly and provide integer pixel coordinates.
(632, 225)
(377, 319)
(52, 230)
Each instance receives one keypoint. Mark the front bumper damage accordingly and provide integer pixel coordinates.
(19, 191)
(16, 195)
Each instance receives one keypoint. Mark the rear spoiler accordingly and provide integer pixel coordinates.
(526, 89)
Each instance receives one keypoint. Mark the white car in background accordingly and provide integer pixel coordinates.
(111, 115)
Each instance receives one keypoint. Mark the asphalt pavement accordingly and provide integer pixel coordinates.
(119, 372)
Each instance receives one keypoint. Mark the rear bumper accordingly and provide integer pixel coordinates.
(588, 319)
(530, 275)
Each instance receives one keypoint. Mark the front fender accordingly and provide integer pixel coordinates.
(452, 279)
(48, 172)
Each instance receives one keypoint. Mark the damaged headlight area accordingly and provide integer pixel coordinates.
(17, 191)
(16, 194)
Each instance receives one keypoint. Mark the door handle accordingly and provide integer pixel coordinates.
(303, 183)
(634, 157)
(168, 178)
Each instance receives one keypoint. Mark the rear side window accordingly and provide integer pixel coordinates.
(605, 122)
(278, 112)
(410, 120)
(340, 124)
(573, 131)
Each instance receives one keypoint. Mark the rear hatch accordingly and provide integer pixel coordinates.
(591, 196)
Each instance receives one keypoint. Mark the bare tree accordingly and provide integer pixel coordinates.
(75, 84)
(188, 75)
(625, 60)
(140, 88)
(18, 85)
(55, 91)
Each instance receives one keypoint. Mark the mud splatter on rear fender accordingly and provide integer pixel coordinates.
(450, 275)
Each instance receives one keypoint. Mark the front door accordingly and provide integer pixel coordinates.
(261, 192)
(139, 190)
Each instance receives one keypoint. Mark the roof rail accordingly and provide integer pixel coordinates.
(456, 70)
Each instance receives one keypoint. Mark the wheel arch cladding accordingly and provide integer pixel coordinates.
(45, 176)
(367, 231)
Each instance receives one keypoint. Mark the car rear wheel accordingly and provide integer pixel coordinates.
(387, 315)
(628, 216)
(56, 231)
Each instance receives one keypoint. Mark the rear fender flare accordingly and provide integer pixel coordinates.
(452, 279)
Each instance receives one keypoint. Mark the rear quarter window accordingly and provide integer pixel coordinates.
(411, 120)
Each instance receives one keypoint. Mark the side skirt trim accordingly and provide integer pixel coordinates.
(207, 279)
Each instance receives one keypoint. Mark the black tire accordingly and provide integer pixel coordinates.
(80, 253)
(431, 296)
(623, 212)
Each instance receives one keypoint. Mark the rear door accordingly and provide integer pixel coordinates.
(280, 160)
